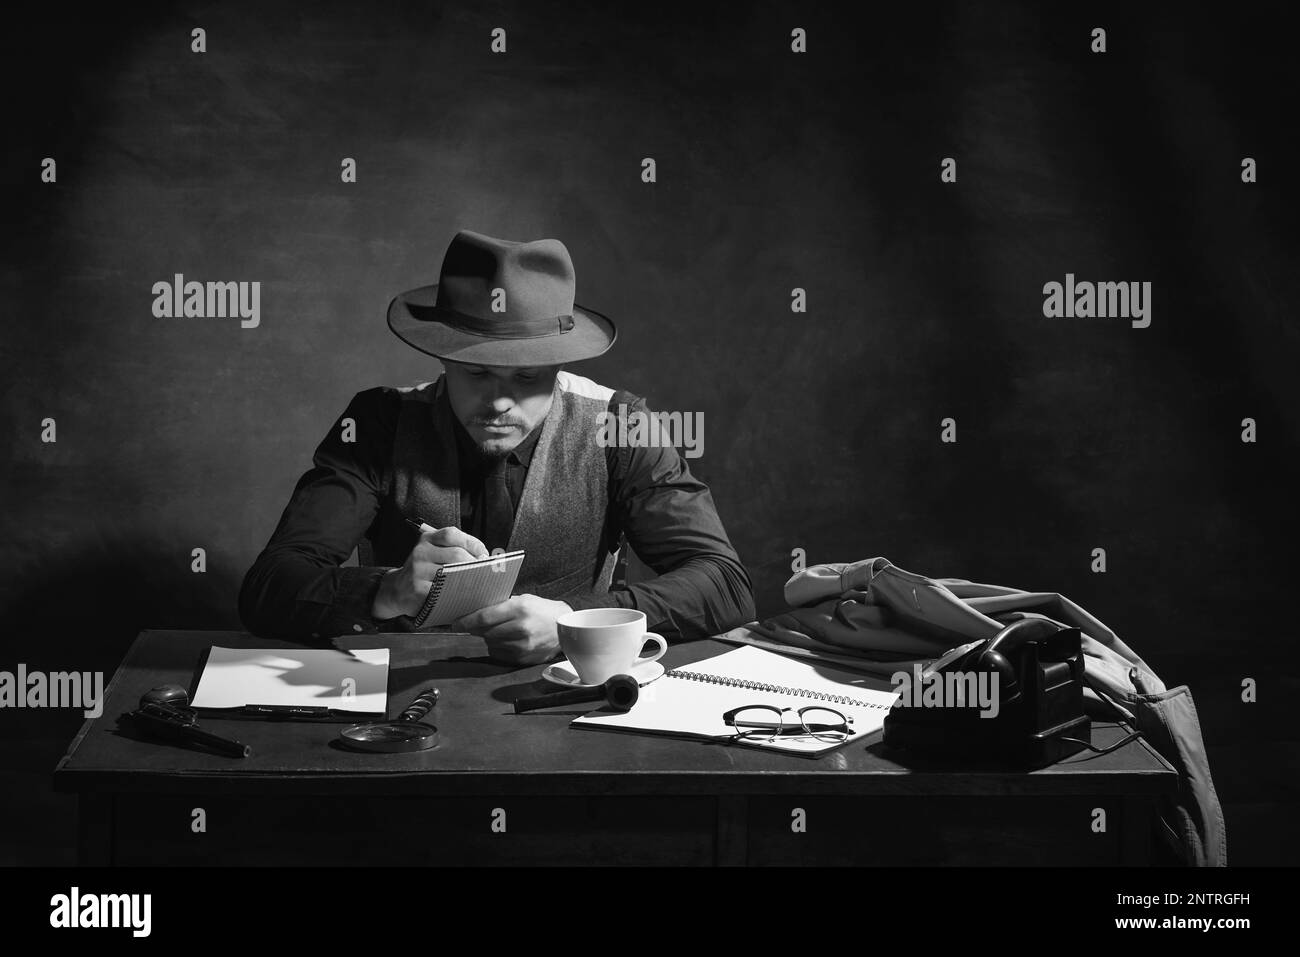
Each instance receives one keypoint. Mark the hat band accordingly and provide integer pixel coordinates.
(492, 328)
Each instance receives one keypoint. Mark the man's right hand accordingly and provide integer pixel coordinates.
(403, 590)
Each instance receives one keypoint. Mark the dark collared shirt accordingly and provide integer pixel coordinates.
(299, 589)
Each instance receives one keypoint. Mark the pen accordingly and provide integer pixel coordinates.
(287, 711)
(420, 527)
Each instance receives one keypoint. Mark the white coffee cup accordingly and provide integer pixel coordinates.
(603, 642)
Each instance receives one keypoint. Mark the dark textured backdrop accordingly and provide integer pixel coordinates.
(775, 171)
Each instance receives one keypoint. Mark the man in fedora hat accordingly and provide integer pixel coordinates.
(502, 451)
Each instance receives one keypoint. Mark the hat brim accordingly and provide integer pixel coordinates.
(592, 335)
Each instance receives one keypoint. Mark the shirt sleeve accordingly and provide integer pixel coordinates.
(669, 519)
(297, 588)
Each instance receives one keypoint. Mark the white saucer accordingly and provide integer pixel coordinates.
(562, 673)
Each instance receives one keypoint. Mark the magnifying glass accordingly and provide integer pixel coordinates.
(406, 733)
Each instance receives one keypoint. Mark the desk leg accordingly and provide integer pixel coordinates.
(94, 830)
(1135, 842)
(732, 835)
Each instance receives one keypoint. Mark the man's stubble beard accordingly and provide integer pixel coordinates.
(494, 453)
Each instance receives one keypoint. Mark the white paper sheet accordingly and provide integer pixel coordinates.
(304, 677)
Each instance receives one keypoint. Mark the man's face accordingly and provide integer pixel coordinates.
(499, 405)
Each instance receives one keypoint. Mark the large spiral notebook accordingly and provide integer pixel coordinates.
(690, 701)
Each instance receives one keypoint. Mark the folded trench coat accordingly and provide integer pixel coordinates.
(874, 610)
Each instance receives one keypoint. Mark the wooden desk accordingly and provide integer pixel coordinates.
(566, 796)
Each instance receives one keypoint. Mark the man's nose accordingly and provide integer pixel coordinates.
(501, 396)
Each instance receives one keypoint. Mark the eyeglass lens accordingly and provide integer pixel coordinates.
(767, 722)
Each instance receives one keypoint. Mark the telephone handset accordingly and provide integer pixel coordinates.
(1034, 669)
(996, 654)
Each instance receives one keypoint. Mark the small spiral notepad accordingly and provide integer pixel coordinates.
(690, 701)
(464, 587)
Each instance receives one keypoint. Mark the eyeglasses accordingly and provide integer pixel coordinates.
(765, 722)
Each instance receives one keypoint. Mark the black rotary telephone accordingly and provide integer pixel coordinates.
(1037, 669)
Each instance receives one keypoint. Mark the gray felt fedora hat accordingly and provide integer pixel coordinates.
(536, 321)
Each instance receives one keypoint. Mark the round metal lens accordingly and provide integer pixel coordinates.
(390, 737)
(824, 724)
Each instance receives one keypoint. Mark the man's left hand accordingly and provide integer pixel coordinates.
(519, 630)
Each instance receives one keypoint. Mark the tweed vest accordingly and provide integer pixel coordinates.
(561, 513)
